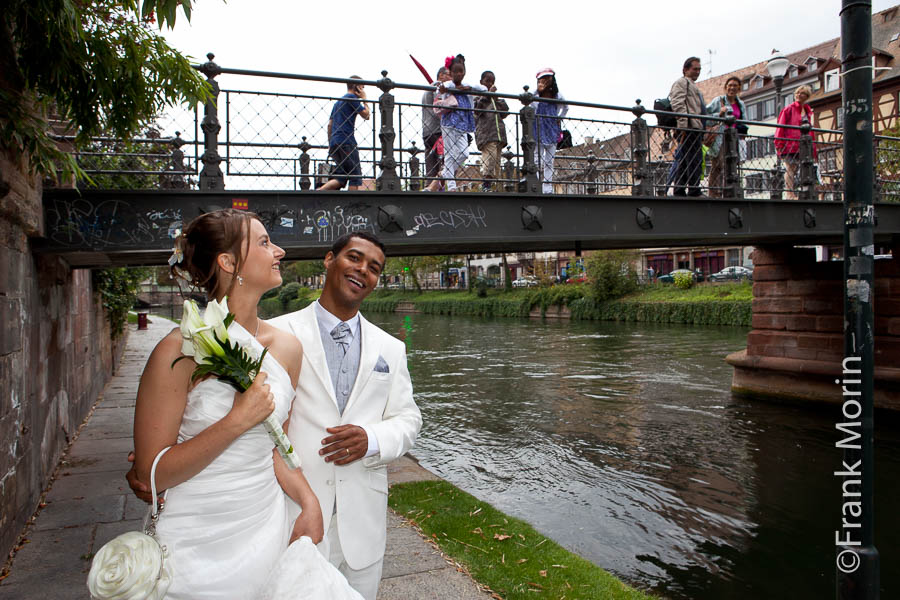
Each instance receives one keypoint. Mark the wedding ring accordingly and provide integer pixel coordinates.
(347, 450)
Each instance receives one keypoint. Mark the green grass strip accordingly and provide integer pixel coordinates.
(501, 552)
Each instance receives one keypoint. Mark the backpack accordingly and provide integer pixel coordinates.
(664, 105)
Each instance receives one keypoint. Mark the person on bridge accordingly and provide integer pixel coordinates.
(431, 130)
(547, 126)
(719, 107)
(457, 123)
(490, 131)
(686, 98)
(787, 141)
(342, 147)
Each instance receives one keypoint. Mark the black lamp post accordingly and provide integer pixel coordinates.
(777, 67)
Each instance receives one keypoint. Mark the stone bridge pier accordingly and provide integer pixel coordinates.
(795, 348)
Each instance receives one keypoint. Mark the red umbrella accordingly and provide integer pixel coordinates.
(422, 69)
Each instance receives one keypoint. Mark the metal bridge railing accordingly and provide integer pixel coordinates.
(256, 140)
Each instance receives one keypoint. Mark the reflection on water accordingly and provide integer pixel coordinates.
(623, 443)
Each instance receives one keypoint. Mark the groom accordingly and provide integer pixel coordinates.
(353, 411)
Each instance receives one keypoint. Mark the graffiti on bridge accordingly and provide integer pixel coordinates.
(464, 218)
(328, 225)
(109, 223)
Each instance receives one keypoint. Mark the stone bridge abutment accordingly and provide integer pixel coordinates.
(796, 344)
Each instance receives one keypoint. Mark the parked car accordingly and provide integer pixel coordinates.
(670, 277)
(527, 281)
(732, 274)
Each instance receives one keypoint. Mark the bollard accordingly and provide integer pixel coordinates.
(807, 171)
(388, 181)
(415, 182)
(529, 183)
(142, 320)
(211, 177)
(590, 174)
(509, 171)
(304, 146)
(640, 149)
(732, 156)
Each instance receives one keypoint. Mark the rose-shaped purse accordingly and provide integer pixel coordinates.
(133, 565)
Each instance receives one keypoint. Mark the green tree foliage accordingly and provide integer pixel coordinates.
(118, 289)
(303, 270)
(98, 63)
(611, 274)
(683, 281)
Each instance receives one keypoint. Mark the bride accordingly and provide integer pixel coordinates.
(225, 524)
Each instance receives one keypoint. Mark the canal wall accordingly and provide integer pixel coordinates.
(56, 352)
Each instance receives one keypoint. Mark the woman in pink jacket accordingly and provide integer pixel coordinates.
(787, 141)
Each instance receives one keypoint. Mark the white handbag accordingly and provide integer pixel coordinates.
(134, 565)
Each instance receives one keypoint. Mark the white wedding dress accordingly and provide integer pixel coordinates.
(227, 528)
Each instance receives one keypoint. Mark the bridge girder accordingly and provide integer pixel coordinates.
(104, 228)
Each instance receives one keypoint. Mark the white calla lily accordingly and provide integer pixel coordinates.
(215, 316)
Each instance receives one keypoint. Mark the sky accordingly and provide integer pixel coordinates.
(602, 51)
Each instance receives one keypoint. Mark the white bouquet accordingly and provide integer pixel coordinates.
(206, 341)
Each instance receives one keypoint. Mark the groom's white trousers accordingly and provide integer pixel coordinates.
(365, 581)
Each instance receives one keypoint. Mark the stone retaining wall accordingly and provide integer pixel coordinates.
(55, 352)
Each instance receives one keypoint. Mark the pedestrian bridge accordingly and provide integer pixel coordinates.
(98, 228)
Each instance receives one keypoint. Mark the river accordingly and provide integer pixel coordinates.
(623, 443)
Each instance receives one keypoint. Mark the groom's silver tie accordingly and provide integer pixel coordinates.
(341, 335)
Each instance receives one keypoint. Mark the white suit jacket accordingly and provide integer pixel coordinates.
(383, 401)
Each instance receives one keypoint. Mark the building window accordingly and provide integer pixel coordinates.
(895, 37)
(792, 72)
(839, 118)
(758, 82)
(768, 108)
(832, 80)
(812, 64)
(745, 86)
(753, 112)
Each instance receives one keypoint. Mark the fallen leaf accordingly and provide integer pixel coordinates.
(501, 536)
(537, 585)
(478, 531)
(543, 572)
(560, 566)
(521, 560)
(503, 559)
(472, 514)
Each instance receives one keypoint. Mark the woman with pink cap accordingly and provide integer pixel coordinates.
(547, 125)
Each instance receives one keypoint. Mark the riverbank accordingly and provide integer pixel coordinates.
(722, 304)
(709, 304)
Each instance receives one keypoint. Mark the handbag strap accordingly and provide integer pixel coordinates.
(154, 510)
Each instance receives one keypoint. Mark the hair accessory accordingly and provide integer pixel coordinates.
(177, 252)
(544, 72)
(448, 61)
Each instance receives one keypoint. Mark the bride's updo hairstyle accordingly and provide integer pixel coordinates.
(225, 231)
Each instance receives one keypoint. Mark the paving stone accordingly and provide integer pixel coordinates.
(442, 584)
(86, 511)
(115, 463)
(135, 508)
(107, 531)
(52, 556)
(120, 446)
(87, 485)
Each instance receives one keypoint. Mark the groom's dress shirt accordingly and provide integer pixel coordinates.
(343, 364)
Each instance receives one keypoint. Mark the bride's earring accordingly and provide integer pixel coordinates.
(240, 280)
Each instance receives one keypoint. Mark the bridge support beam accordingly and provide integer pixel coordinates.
(795, 348)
